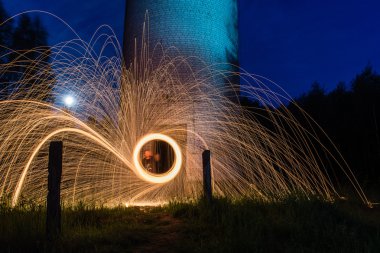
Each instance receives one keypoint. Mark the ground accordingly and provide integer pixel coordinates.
(292, 225)
(167, 229)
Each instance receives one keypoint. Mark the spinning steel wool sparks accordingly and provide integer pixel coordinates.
(115, 112)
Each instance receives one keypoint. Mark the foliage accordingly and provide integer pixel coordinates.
(351, 117)
(29, 38)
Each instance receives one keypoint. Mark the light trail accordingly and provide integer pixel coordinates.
(263, 153)
(157, 178)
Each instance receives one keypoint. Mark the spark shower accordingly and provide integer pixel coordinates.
(114, 110)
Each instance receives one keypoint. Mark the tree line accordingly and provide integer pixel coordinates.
(349, 115)
(24, 58)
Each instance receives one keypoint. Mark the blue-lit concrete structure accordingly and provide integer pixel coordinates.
(202, 31)
(206, 29)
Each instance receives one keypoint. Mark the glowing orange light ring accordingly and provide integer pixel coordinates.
(157, 178)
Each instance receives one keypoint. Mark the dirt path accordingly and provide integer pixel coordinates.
(167, 230)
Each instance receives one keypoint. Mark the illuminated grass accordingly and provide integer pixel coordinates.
(292, 225)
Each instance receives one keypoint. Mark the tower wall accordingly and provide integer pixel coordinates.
(206, 29)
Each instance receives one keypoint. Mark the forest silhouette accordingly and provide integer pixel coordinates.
(17, 39)
(350, 116)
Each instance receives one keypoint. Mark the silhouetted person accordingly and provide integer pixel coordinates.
(147, 160)
(158, 163)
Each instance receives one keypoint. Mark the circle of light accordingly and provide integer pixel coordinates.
(154, 178)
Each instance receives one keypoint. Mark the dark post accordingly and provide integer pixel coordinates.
(53, 211)
(207, 187)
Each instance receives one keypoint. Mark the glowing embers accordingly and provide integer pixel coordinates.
(157, 158)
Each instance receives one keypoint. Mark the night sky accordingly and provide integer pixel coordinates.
(292, 42)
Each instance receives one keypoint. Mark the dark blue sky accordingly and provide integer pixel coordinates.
(292, 42)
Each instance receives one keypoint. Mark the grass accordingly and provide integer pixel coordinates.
(288, 226)
(293, 225)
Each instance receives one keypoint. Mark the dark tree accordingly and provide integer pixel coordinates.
(365, 124)
(5, 33)
(5, 43)
(351, 119)
(33, 75)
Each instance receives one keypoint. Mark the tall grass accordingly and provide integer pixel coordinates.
(291, 225)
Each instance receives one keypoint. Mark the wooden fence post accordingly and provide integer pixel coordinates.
(53, 210)
(207, 186)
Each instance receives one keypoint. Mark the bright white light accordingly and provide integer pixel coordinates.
(69, 100)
